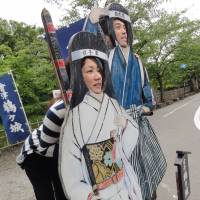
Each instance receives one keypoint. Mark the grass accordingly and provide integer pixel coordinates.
(3, 142)
(34, 122)
(3, 139)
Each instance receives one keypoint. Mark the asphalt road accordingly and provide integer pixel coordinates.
(175, 131)
(14, 184)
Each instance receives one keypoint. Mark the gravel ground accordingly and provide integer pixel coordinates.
(14, 184)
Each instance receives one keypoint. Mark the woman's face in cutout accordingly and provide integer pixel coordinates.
(92, 76)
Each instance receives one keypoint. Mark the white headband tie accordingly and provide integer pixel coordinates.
(118, 14)
(79, 54)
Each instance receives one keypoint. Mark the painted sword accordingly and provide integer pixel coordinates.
(54, 50)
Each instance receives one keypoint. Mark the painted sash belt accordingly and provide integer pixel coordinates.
(113, 180)
(104, 168)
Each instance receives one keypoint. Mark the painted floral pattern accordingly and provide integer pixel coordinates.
(95, 152)
(103, 163)
(108, 158)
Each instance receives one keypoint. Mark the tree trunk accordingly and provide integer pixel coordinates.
(194, 84)
(161, 89)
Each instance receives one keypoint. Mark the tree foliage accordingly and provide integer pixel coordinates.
(23, 52)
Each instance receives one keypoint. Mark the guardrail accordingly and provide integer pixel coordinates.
(3, 138)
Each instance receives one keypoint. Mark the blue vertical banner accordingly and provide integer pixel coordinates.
(11, 110)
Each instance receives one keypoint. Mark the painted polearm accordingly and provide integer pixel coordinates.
(58, 61)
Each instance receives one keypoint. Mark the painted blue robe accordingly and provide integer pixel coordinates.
(127, 81)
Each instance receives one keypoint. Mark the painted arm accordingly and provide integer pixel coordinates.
(71, 166)
(148, 97)
(129, 131)
(130, 136)
(147, 93)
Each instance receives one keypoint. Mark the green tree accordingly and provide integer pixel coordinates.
(188, 53)
(158, 43)
(23, 52)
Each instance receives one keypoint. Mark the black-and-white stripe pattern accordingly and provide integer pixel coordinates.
(148, 159)
(43, 139)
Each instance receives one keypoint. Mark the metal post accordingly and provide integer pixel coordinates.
(182, 175)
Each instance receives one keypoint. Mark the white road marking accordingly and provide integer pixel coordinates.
(173, 111)
(197, 118)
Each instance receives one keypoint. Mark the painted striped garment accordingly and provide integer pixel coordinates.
(44, 139)
(150, 165)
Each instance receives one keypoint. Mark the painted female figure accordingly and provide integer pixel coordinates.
(98, 135)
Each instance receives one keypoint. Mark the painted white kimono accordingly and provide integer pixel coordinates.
(94, 120)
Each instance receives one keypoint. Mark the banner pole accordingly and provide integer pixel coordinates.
(10, 72)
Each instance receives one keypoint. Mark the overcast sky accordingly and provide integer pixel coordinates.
(193, 7)
(29, 11)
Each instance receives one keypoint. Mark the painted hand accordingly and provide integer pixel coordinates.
(120, 121)
(145, 109)
(96, 13)
(92, 196)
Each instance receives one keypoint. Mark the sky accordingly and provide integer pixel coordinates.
(193, 7)
(29, 11)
